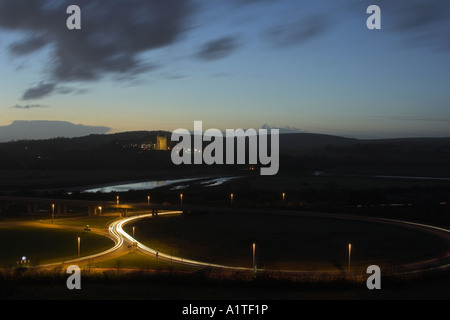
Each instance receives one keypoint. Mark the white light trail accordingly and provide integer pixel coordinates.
(117, 229)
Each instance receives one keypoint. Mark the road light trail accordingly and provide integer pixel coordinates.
(117, 229)
(120, 238)
(118, 242)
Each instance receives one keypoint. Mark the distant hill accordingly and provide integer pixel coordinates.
(74, 137)
(312, 141)
(44, 129)
(83, 135)
(308, 152)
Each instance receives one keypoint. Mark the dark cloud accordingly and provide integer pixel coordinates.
(412, 15)
(28, 45)
(419, 23)
(41, 90)
(28, 106)
(113, 35)
(67, 90)
(217, 49)
(297, 32)
(44, 89)
(424, 23)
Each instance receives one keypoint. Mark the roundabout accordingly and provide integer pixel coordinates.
(405, 247)
(282, 243)
(154, 265)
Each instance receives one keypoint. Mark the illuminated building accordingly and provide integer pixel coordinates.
(161, 143)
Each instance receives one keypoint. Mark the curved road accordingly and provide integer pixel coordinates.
(116, 228)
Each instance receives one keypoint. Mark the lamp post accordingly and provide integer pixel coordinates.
(254, 264)
(283, 195)
(100, 208)
(53, 211)
(349, 254)
(133, 246)
(181, 199)
(148, 199)
(78, 247)
(231, 198)
(117, 200)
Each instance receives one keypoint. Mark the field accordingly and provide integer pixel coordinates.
(47, 245)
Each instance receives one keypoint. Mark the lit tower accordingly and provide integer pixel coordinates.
(161, 143)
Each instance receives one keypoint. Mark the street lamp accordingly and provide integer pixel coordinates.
(181, 199)
(349, 254)
(231, 198)
(148, 199)
(53, 211)
(78, 247)
(117, 199)
(283, 196)
(254, 264)
(100, 208)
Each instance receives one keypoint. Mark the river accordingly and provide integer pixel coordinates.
(147, 185)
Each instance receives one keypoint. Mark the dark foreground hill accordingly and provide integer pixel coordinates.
(306, 152)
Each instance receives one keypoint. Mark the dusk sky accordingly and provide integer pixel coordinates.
(306, 66)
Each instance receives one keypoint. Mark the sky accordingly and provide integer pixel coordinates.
(299, 66)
